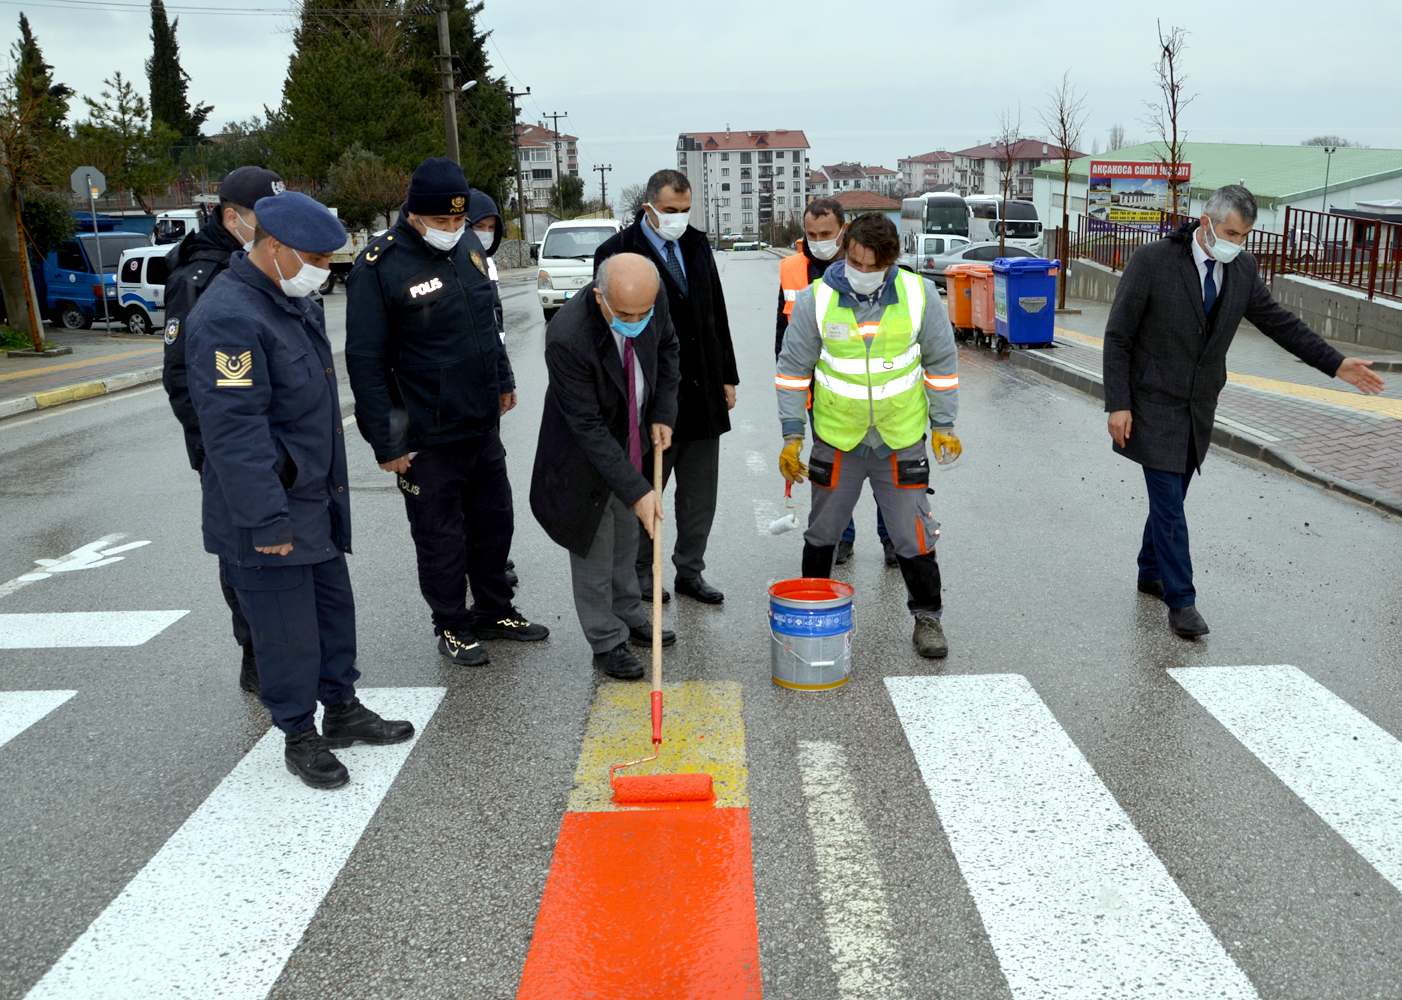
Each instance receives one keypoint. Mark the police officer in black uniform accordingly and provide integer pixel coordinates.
(193, 264)
(431, 382)
(276, 506)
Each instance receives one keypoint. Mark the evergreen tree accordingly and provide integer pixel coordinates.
(120, 140)
(34, 79)
(170, 104)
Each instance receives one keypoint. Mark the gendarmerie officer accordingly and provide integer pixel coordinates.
(431, 382)
(276, 506)
(193, 264)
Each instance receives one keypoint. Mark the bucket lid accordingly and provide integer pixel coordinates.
(811, 590)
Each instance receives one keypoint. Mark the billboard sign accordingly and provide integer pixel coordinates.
(1133, 192)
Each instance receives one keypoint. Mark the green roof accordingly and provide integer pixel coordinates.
(1275, 174)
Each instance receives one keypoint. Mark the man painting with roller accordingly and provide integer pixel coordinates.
(874, 345)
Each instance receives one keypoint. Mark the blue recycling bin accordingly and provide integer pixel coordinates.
(1024, 299)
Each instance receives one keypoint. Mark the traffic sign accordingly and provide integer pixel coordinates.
(88, 182)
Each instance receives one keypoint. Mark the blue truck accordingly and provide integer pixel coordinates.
(68, 281)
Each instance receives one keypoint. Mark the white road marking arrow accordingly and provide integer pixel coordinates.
(90, 556)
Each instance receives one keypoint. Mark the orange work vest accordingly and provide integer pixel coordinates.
(793, 277)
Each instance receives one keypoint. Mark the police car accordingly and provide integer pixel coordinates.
(141, 288)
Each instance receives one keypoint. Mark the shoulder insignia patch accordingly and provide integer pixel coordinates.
(172, 330)
(234, 369)
(375, 250)
(477, 261)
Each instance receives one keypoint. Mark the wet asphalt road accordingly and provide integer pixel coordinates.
(438, 899)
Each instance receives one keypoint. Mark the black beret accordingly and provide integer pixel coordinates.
(245, 185)
(438, 188)
(300, 222)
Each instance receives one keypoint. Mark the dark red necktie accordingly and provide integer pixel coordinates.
(635, 443)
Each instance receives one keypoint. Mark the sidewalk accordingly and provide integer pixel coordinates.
(101, 362)
(1273, 408)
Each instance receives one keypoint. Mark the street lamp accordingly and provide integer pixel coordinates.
(468, 85)
(1328, 160)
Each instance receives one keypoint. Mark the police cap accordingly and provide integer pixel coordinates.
(438, 188)
(245, 185)
(300, 222)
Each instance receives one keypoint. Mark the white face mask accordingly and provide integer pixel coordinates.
(1222, 251)
(670, 225)
(442, 239)
(822, 249)
(305, 281)
(244, 224)
(865, 282)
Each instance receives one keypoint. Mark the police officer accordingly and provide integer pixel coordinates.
(431, 382)
(193, 264)
(276, 510)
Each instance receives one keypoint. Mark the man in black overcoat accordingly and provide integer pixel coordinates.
(1177, 308)
(683, 256)
(611, 354)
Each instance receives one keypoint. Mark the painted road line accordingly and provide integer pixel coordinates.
(1339, 762)
(648, 903)
(1076, 905)
(219, 909)
(861, 935)
(82, 629)
(90, 556)
(21, 709)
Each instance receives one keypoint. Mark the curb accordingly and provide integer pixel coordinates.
(73, 393)
(1227, 438)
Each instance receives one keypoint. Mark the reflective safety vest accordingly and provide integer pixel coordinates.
(793, 277)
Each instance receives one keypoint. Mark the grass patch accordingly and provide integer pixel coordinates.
(14, 340)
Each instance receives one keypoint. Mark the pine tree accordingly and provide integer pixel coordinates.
(34, 78)
(169, 103)
(120, 139)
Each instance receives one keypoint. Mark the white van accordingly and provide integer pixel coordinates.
(567, 259)
(141, 288)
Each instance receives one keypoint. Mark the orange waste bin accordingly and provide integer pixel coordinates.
(981, 298)
(957, 284)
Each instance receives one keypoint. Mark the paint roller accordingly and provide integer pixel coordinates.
(657, 789)
(790, 520)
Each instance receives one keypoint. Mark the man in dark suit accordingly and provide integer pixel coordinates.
(611, 354)
(708, 374)
(1176, 311)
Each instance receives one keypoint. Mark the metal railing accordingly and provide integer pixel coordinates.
(1362, 254)
(1112, 243)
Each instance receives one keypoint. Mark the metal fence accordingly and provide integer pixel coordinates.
(1112, 243)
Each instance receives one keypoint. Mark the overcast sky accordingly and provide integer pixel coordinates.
(868, 87)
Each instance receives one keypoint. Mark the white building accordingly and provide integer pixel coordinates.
(741, 181)
(980, 169)
(817, 185)
(540, 147)
(932, 171)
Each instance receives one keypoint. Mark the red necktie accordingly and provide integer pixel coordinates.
(635, 443)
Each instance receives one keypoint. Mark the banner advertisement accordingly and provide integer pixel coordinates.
(1135, 193)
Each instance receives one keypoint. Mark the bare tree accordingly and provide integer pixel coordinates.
(1007, 140)
(1117, 138)
(1064, 118)
(1337, 141)
(1163, 117)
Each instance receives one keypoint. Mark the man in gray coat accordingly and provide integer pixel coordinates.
(1177, 308)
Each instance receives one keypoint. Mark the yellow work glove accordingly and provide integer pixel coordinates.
(946, 445)
(790, 464)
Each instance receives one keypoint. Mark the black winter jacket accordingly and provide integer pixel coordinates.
(425, 362)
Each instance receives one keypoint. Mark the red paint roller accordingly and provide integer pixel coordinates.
(661, 789)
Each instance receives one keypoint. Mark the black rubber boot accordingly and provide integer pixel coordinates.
(922, 579)
(309, 758)
(353, 722)
(248, 674)
(817, 560)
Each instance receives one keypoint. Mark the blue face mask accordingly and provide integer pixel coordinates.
(629, 330)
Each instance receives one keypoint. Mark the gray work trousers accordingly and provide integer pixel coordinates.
(606, 594)
(697, 465)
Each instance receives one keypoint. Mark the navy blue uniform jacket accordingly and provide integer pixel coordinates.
(264, 390)
(422, 351)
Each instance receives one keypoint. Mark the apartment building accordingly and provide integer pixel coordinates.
(980, 169)
(743, 181)
(540, 147)
(933, 171)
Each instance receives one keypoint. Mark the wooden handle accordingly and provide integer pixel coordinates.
(657, 573)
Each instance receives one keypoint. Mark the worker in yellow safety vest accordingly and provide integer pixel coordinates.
(873, 344)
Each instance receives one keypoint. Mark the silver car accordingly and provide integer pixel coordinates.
(932, 265)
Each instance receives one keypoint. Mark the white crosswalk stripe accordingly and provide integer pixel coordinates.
(1339, 762)
(21, 709)
(1075, 903)
(219, 909)
(83, 629)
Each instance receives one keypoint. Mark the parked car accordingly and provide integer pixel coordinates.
(926, 246)
(141, 288)
(69, 285)
(566, 259)
(933, 266)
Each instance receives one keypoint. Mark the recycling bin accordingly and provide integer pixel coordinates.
(1024, 300)
(958, 297)
(981, 301)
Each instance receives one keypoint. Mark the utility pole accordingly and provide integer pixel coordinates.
(603, 188)
(559, 178)
(516, 145)
(1328, 160)
(450, 90)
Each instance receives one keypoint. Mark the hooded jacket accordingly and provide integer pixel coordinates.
(481, 206)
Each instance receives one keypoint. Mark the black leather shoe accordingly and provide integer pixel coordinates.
(698, 590)
(248, 673)
(1187, 622)
(642, 636)
(619, 663)
(645, 586)
(890, 549)
(1154, 588)
(353, 722)
(844, 552)
(511, 626)
(463, 647)
(310, 758)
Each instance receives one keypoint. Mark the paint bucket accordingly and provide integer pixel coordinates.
(810, 633)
